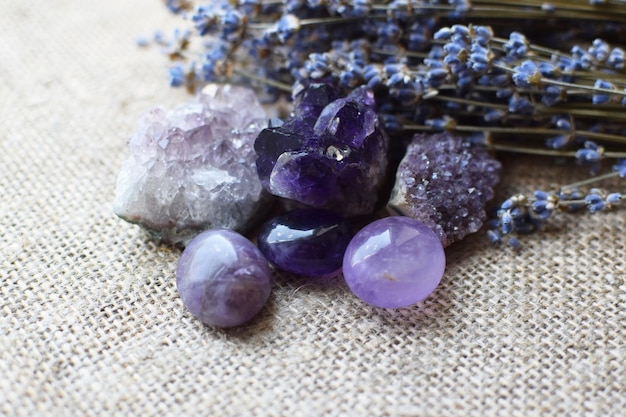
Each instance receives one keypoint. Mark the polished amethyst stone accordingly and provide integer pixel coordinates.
(331, 156)
(222, 278)
(394, 262)
(308, 242)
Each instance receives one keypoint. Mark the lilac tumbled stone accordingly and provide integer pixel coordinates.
(222, 278)
(394, 262)
(308, 242)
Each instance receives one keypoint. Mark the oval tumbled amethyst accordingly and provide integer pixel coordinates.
(222, 278)
(308, 242)
(394, 262)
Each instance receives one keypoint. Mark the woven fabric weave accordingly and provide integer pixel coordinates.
(91, 324)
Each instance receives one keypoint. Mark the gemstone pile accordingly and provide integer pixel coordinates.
(332, 154)
(445, 183)
(193, 168)
(222, 278)
(212, 164)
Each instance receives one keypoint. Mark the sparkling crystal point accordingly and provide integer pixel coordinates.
(193, 168)
(331, 158)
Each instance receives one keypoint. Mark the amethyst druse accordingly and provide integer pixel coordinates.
(307, 241)
(222, 278)
(337, 163)
(445, 183)
(394, 262)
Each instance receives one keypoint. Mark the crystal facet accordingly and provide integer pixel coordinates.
(308, 242)
(394, 262)
(330, 155)
(445, 183)
(193, 168)
(222, 278)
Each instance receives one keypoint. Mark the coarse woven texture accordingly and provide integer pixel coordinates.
(91, 324)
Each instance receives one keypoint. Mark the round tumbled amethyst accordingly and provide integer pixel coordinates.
(308, 242)
(394, 262)
(222, 278)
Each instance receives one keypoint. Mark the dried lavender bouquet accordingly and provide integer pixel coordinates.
(537, 78)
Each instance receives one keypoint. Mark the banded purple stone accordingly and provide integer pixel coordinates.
(308, 242)
(394, 262)
(222, 278)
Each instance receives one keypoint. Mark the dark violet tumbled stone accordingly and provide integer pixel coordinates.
(222, 278)
(308, 242)
(332, 154)
(394, 262)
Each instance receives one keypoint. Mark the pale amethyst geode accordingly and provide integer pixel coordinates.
(193, 168)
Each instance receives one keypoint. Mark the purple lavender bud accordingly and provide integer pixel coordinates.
(616, 58)
(559, 142)
(445, 183)
(526, 75)
(176, 75)
(516, 47)
(562, 122)
(494, 116)
(620, 166)
(494, 236)
(594, 203)
(519, 104)
(602, 98)
(286, 27)
(599, 49)
(613, 198)
(507, 221)
(443, 34)
(482, 35)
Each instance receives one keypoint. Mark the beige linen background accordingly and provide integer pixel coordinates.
(91, 324)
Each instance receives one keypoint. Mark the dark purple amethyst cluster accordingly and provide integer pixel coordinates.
(331, 154)
(445, 183)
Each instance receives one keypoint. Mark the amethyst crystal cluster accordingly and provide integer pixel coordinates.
(193, 168)
(445, 183)
(331, 154)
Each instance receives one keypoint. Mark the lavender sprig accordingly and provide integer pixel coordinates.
(431, 71)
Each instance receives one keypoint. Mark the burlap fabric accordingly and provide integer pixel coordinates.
(91, 324)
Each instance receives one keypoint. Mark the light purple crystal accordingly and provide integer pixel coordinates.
(394, 262)
(332, 154)
(445, 183)
(193, 168)
(222, 278)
